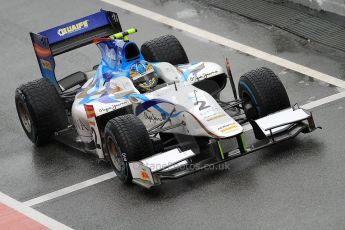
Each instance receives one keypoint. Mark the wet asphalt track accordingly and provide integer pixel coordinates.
(297, 185)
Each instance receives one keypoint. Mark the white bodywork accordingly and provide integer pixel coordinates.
(198, 110)
(179, 102)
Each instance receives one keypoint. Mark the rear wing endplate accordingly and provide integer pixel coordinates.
(70, 36)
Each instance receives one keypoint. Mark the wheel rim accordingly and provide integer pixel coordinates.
(249, 107)
(24, 116)
(115, 154)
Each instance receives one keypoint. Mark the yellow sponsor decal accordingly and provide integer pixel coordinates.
(216, 116)
(229, 128)
(73, 28)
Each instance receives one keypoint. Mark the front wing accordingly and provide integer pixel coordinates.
(174, 164)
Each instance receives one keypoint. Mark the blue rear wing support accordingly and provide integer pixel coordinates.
(70, 36)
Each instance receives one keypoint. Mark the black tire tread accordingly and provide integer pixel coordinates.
(131, 135)
(164, 49)
(46, 108)
(269, 91)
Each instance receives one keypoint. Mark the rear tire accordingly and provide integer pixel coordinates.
(126, 140)
(263, 92)
(164, 49)
(40, 110)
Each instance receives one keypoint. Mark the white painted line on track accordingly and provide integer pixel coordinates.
(323, 101)
(111, 175)
(31, 213)
(227, 42)
(70, 189)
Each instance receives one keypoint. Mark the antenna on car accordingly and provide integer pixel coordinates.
(231, 79)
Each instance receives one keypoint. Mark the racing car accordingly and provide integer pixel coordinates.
(150, 112)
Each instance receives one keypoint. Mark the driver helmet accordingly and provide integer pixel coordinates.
(143, 76)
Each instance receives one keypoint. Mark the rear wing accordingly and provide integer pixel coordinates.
(70, 36)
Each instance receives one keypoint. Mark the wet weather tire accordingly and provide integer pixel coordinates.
(263, 93)
(164, 49)
(40, 110)
(126, 140)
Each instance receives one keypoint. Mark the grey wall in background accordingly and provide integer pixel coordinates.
(334, 6)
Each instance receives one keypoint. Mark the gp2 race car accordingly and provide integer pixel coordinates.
(150, 112)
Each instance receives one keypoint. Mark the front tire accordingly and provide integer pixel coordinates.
(40, 110)
(126, 140)
(263, 93)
